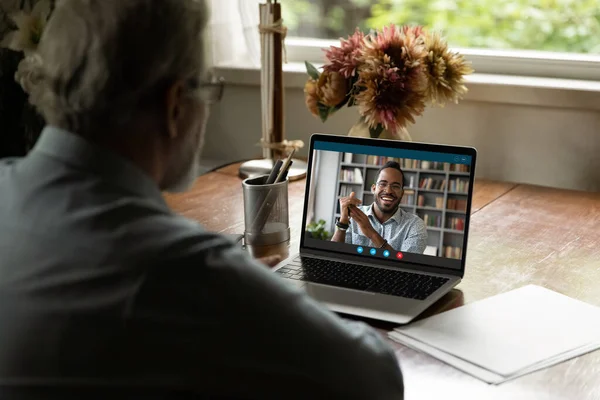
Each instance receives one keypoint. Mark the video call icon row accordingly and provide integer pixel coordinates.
(373, 252)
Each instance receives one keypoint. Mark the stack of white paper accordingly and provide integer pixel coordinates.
(509, 335)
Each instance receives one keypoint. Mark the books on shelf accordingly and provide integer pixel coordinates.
(453, 252)
(409, 198)
(346, 189)
(409, 163)
(411, 181)
(459, 185)
(459, 168)
(358, 175)
(348, 157)
(457, 205)
(435, 165)
(353, 175)
(433, 220)
(439, 202)
(456, 223)
(432, 184)
(380, 160)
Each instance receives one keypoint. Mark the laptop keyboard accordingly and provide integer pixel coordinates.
(351, 276)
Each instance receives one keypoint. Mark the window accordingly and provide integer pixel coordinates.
(551, 38)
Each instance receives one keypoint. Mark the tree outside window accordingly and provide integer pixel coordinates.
(571, 26)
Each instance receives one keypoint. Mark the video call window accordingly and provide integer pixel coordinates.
(433, 199)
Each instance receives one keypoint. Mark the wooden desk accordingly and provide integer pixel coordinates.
(520, 234)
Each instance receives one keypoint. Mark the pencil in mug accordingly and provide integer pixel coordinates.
(285, 167)
(270, 180)
(287, 171)
(267, 206)
(274, 172)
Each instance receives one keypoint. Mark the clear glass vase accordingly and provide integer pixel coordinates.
(361, 129)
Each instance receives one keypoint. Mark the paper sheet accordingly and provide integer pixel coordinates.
(509, 335)
(482, 373)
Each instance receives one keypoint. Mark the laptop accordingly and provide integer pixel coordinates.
(418, 207)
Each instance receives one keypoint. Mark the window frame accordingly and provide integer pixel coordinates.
(526, 63)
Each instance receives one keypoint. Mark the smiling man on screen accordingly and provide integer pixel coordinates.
(383, 224)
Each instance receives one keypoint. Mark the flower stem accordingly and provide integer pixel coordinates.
(376, 132)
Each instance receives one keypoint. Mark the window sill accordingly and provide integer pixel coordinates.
(491, 88)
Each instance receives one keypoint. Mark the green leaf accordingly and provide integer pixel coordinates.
(375, 132)
(312, 71)
(317, 230)
(324, 112)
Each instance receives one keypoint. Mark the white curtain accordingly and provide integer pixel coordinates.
(233, 33)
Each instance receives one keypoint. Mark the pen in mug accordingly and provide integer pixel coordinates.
(274, 172)
(285, 174)
(285, 166)
(267, 205)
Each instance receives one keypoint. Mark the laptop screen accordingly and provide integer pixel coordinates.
(407, 203)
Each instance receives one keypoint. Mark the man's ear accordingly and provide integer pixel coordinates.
(174, 103)
(373, 188)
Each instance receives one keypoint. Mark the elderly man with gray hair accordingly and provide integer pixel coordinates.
(103, 289)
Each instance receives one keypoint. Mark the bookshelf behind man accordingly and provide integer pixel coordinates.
(435, 191)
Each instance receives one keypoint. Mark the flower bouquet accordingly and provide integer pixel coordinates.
(390, 75)
(20, 33)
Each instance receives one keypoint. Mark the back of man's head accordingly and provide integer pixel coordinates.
(105, 61)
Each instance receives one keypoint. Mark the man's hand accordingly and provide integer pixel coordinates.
(270, 261)
(345, 203)
(363, 222)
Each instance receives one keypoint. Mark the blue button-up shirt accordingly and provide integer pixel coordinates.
(101, 284)
(403, 231)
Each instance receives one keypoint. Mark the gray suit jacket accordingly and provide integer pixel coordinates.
(102, 285)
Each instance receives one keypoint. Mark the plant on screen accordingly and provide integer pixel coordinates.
(318, 231)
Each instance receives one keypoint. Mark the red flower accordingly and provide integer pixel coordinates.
(344, 59)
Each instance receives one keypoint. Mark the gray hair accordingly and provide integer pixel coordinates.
(105, 61)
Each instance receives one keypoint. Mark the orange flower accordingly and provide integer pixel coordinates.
(332, 88)
(311, 97)
(445, 71)
(392, 80)
(389, 74)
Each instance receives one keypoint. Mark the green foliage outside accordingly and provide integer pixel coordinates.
(548, 25)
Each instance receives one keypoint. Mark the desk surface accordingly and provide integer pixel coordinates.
(520, 234)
